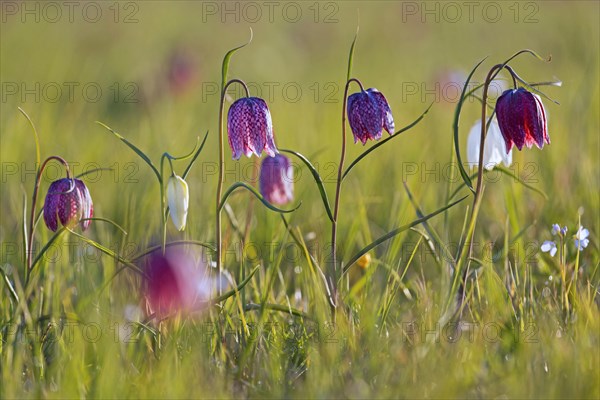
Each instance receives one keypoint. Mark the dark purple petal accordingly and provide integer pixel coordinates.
(67, 201)
(368, 114)
(388, 119)
(522, 119)
(250, 128)
(53, 199)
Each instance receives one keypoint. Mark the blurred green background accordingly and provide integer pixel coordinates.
(151, 70)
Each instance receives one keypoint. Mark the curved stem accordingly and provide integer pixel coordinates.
(333, 272)
(38, 180)
(478, 190)
(221, 165)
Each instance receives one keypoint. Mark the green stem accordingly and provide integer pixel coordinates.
(332, 277)
(221, 165)
(38, 180)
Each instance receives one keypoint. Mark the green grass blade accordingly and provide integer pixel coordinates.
(255, 192)
(227, 58)
(395, 232)
(36, 137)
(133, 147)
(233, 291)
(351, 56)
(381, 143)
(455, 128)
(317, 178)
(193, 160)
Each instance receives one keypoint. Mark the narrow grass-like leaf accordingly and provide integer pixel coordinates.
(184, 157)
(507, 172)
(381, 143)
(395, 232)
(276, 307)
(351, 56)
(152, 249)
(227, 58)
(193, 160)
(455, 128)
(255, 193)
(317, 179)
(133, 147)
(113, 223)
(109, 252)
(233, 291)
(38, 158)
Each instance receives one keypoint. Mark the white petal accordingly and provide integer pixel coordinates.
(473, 145)
(178, 200)
(553, 251)
(547, 246)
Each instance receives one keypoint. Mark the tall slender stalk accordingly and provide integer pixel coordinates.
(221, 165)
(38, 180)
(333, 274)
(479, 188)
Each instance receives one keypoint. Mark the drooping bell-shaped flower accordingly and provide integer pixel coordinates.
(178, 198)
(277, 180)
(68, 201)
(249, 128)
(369, 114)
(177, 282)
(522, 119)
(494, 149)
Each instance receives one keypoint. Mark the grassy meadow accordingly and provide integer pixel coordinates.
(77, 326)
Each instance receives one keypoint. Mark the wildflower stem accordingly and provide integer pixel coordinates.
(333, 277)
(221, 165)
(38, 180)
(478, 189)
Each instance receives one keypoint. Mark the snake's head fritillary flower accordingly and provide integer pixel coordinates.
(276, 179)
(178, 198)
(522, 119)
(369, 114)
(581, 238)
(177, 282)
(493, 150)
(68, 201)
(250, 128)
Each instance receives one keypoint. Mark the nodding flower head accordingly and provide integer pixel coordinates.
(276, 179)
(68, 201)
(369, 114)
(178, 198)
(522, 119)
(249, 128)
(177, 282)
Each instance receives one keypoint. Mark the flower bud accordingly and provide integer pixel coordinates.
(178, 200)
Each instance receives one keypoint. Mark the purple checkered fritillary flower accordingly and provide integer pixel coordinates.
(249, 128)
(276, 179)
(369, 114)
(68, 201)
(522, 119)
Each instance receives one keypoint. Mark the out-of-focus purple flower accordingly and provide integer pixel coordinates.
(581, 238)
(369, 114)
(68, 201)
(249, 128)
(549, 246)
(276, 179)
(555, 229)
(522, 119)
(181, 73)
(177, 282)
